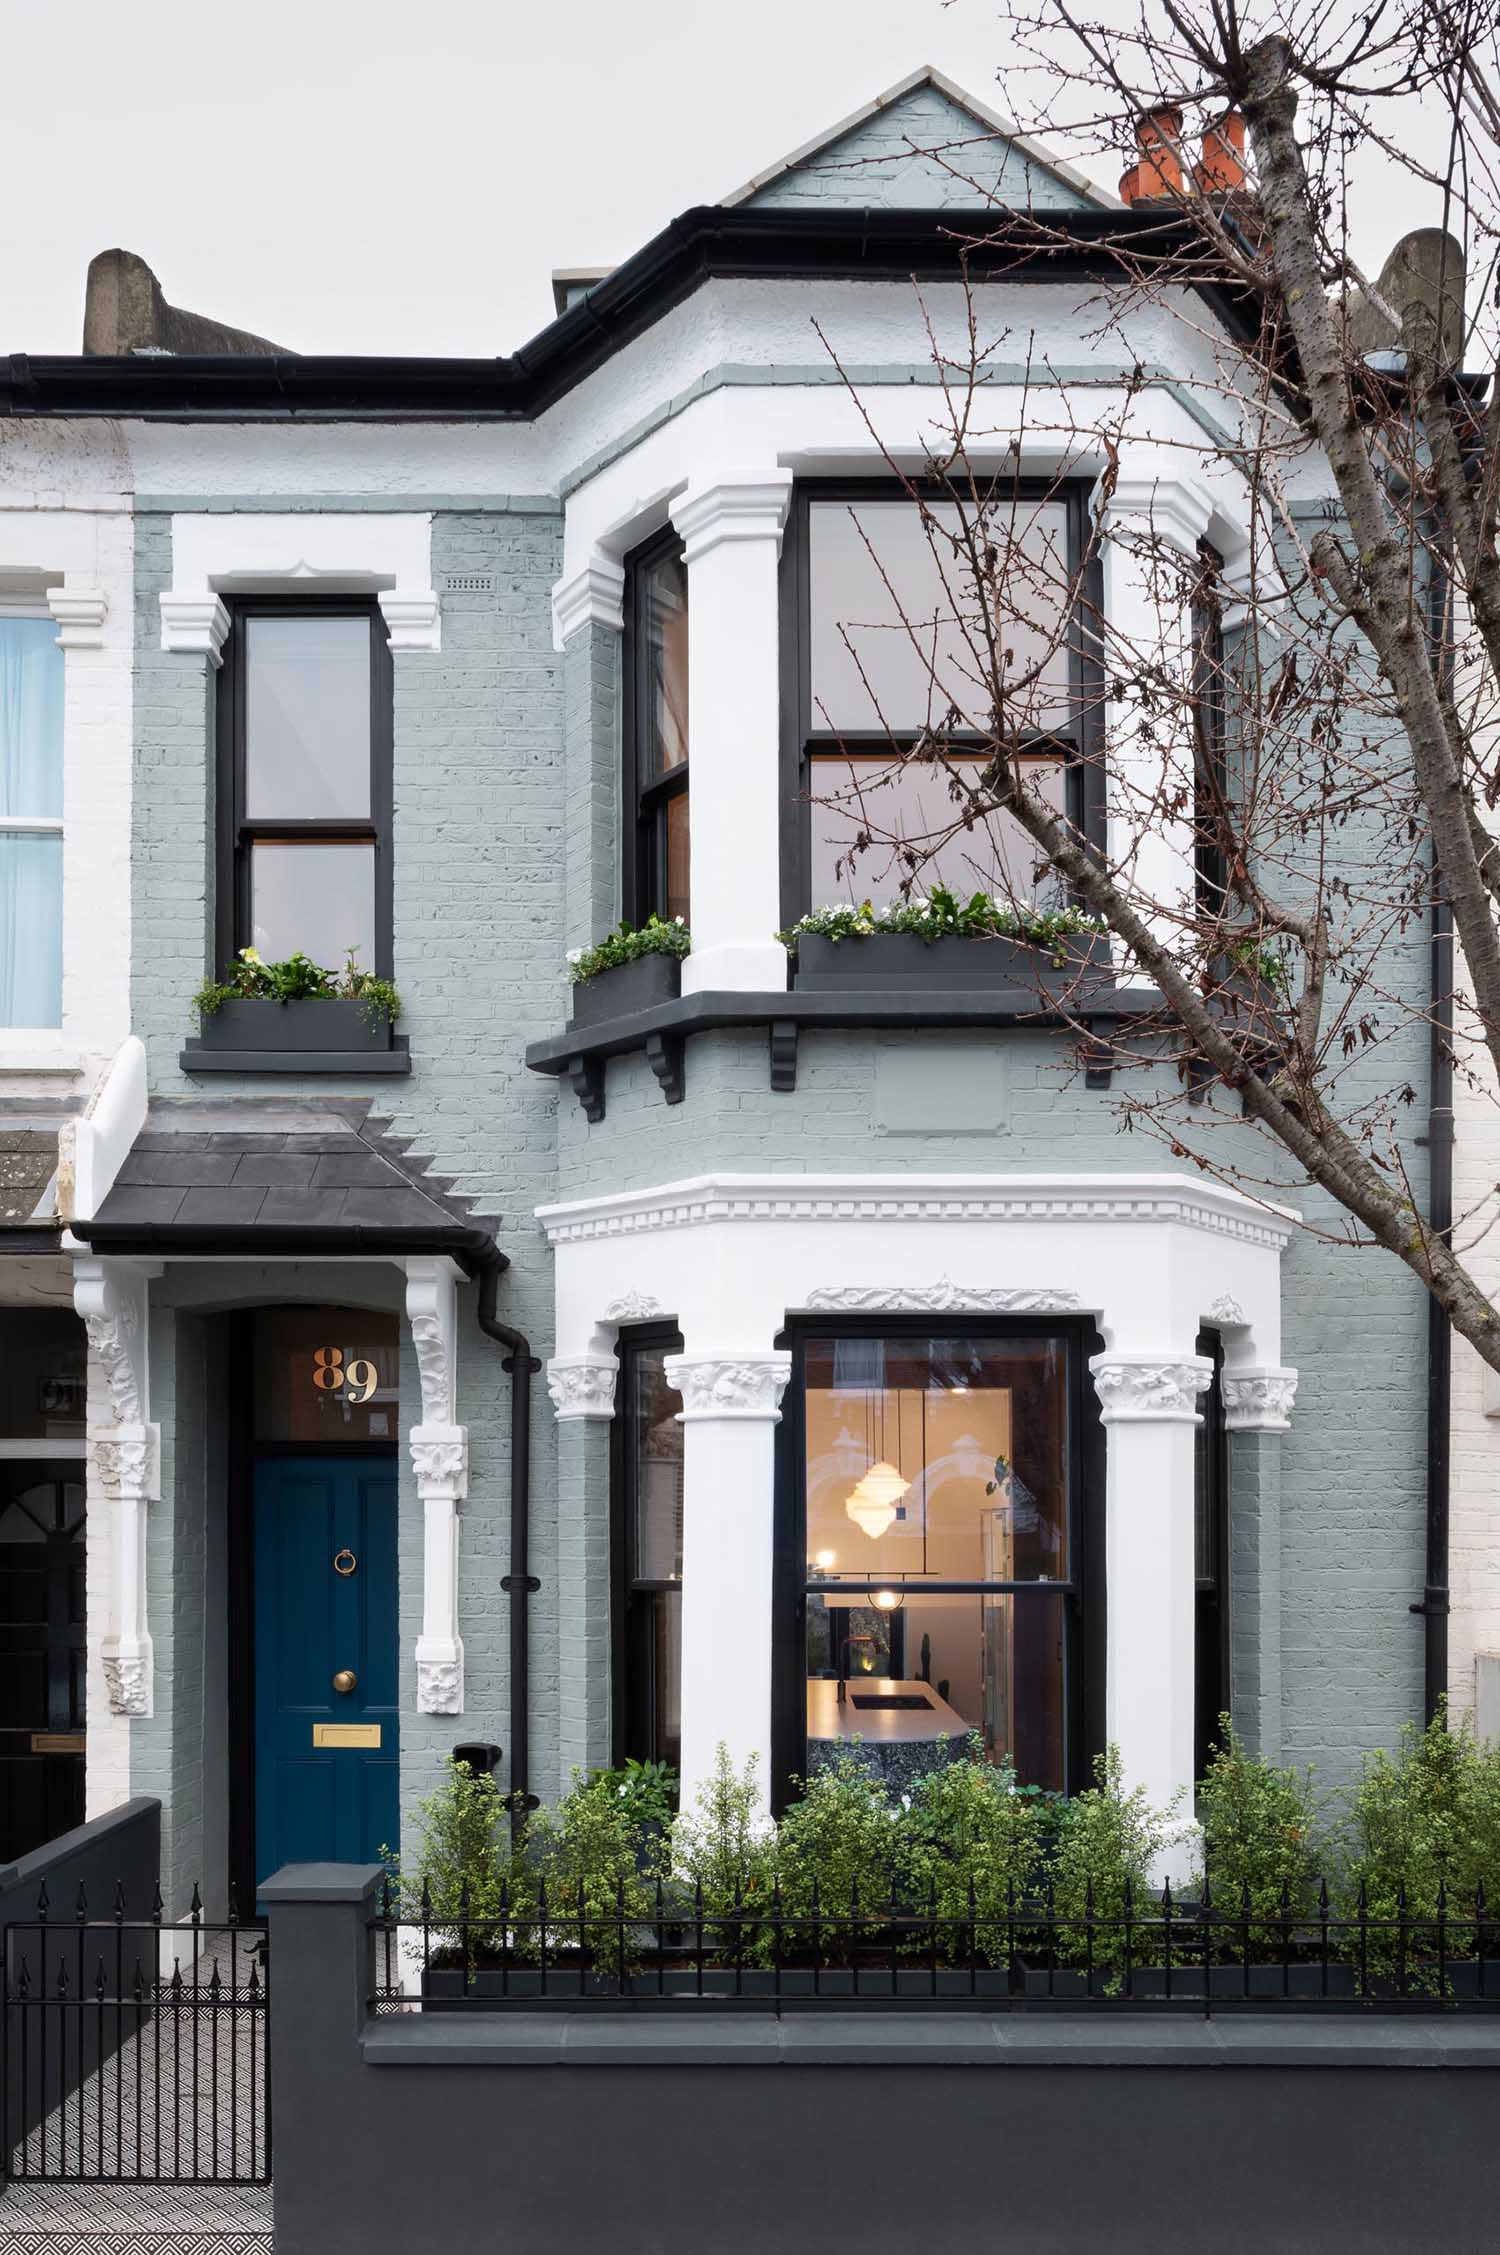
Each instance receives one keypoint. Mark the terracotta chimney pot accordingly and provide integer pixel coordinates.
(1221, 171)
(1159, 135)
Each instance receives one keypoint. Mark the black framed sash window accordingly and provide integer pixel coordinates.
(657, 864)
(1211, 1602)
(647, 1547)
(883, 643)
(933, 1543)
(304, 825)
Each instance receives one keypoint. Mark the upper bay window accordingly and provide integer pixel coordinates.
(305, 784)
(903, 618)
(31, 816)
(657, 865)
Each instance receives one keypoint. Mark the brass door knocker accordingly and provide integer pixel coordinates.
(345, 1562)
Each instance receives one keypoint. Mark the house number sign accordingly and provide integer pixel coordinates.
(352, 1380)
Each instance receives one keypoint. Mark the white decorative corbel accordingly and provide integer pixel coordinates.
(413, 619)
(440, 1460)
(582, 1385)
(594, 596)
(112, 1297)
(1137, 1389)
(195, 622)
(80, 614)
(1258, 1401)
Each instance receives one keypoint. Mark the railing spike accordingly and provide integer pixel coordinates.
(81, 1907)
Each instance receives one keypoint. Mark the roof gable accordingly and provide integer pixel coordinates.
(924, 144)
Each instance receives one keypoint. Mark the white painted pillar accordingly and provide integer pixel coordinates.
(112, 1297)
(1151, 523)
(582, 1388)
(440, 1459)
(730, 1411)
(1149, 1408)
(732, 547)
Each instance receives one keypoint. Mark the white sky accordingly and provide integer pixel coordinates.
(365, 176)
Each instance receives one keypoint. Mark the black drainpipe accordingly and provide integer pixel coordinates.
(520, 1581)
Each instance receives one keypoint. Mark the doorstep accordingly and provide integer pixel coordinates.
(105, 2219)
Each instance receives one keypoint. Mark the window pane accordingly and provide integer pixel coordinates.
(897, 631)
(936, 1669)
(31, 718)
(894, 802)
(666, 1677)
(937, 1457)
(678, 888)
(316, 898)
(664, 615)
(43, 1361)
(31, 899)
(307, 718)
(326, 1374)
(656, 1440)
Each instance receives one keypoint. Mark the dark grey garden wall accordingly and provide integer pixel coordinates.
(715, 2135)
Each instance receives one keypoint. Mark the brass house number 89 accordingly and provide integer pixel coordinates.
(352, 1381)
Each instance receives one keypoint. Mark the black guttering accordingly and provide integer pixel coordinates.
(707, 241)
(520, 1582)
(472, 1247)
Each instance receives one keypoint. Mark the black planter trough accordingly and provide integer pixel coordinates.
(889, 960)
(627, 988)
(344, 1024)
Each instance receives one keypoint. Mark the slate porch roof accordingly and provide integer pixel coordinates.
(28, 1182)
(279, 1177)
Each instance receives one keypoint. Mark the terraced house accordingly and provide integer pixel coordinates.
(781, 1351)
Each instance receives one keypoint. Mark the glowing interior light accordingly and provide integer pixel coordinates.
(872, 1504)
(885, 1600)
(825, 1560)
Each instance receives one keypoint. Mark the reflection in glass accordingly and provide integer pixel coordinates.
(326, 1374)
(656, 1438)
(936, 1460)
(31, 920)
(897, 636)
(653, 1558)
(893, 802)
(314, 897)
(678, 888)
(307, 718)
(665, 657)
(43, 1366)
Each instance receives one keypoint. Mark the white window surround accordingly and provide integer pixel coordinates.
(733, 1257)
(255, 553)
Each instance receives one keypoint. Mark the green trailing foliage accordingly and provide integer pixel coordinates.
(646, 1792)
(1100, 1873)
(657, 936)
(973, 1846)
(1424, 1833)
(723, 1862)
(298, 979)
(941, 915)
(1260, 1864)
(839, 1848)
(462, 1864)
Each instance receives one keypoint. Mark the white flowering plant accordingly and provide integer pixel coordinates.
(657, 936)
(941, 915)
(298, 979)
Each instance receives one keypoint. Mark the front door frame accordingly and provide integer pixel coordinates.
(244, 1453)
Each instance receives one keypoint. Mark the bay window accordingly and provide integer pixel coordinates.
(933, 1538)
(648, 1554)
(31, 816)
(657, 862)
(888, 643)
(305, 784)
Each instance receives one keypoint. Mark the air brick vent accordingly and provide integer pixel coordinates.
(469, 583)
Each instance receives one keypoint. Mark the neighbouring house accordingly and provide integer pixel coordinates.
(723, 1351)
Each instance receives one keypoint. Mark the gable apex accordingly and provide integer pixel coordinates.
(923, 142)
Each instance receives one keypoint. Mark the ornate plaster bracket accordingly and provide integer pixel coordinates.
(633, 1307)
(440, 1459)
(731, 1388)
(1147, 1389)
(582, 1385)
(112, 1299)
(1258, 1401)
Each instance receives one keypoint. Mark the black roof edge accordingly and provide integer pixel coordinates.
(709, 240)
(473, 1249)
(22, 1237)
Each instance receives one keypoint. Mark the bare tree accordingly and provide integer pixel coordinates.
(1294, 730)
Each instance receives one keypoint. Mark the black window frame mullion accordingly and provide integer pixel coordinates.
(802, 740)
(632, 1654)
(235, 831)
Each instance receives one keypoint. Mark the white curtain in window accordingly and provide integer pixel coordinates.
(31, 739)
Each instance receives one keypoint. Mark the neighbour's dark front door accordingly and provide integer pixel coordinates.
(41, 1652)
(326, 1752)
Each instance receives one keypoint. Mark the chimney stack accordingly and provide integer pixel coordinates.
(1219, 172)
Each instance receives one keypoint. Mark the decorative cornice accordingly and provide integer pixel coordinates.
(582, 1385)
(1151, 500)
(753, 511)
(1226, 1310)
(943, 1298)
(127, 1676)
(1258, 1401)
(440, 1460)
(1150, 1389)
(593, 597)
(413, 619)
(440, 1682)
(633, 1307)
(194, 623)
(1053, 1199)
(738, 1387)
(80, 613)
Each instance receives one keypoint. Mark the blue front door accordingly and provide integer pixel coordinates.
(326, 1752)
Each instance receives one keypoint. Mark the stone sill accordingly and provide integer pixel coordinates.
(688, 2038)
(579, 1053)
(346, 1063)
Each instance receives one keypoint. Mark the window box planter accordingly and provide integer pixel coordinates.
(312, 1034)
(900, 959)
(627, 988)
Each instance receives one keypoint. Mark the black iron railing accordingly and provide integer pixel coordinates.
(659, 1947)
(134, 2050)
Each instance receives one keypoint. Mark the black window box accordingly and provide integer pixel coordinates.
(900, 959)
(253, 1034)
(629, 987)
